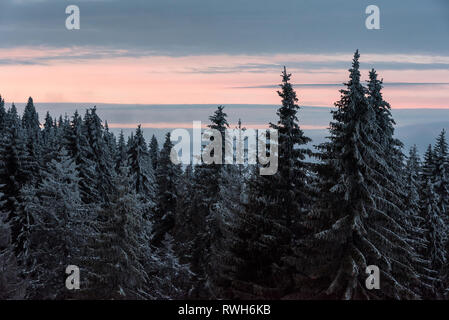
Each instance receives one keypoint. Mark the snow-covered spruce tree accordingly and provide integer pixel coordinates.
(441, 176)
(292, 198)
(50, 143)
(140, 169)
(3, 139)
(202, 217)
(167, 178)
(168, 277)
(385, 132)
(412, 172)
(433, 225)
(121, 158)
(229, 206)
(16, 171)
(267, 230)
(32, 136)
(129, 141)
(435, 235)
(2, 116)
(11, 285)
(154, 152)
(417, 230)
(395, 198)
(76, 143)
(56, 231)
(117, 254)
(93, 131)
(184, 229)
(30, 120)
(353, 224)
(111, 144)
(428, 166)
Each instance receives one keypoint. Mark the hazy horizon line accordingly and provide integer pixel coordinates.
(205, 104)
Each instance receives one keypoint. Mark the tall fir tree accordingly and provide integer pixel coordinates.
(268, 228)
(395, 198)
(30, 120)
(121, 159)
(140, 169)
(435, 235)
(2, 115)
(184, 228)
(417, 230)
(154, 152)
(11, 284)
(50, 141)
(111, 144)
(77, 145)
(119, 250)
(202, 214)
(93, 131)
(32, 136)
(433, 226)
(169, 278)
(168, 175)
(17, 171)
(441, 175)
(56, 232)
(352, 224)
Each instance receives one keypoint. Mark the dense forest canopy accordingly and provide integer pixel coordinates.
(141, 227)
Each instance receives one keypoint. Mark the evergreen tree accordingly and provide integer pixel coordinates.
(140, 169)
(169, 278)
(50, 142)
(121, 159)
(32, 135)
(98, 153)
(270, 226)
(55, 234)
(78, 148)
(167, 179)
(355, 223)
(441, 175)
(184, 228)
(154, 152)
(230, 206)
(433, 226)
(111, 144)
(435, 235)
(30, 120)
(11, 286)
(118, 253)
(202, 213)
(417, 229)
(16, 171)
(412, 189)
(396, 200)
(428, 167)
(2, 116)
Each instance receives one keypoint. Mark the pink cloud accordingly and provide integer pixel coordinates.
(97, 75)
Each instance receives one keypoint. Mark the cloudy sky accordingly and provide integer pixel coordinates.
(220, 52)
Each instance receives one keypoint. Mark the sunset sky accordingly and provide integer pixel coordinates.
(220, 52)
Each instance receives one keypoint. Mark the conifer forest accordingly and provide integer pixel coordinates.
(139, 226)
